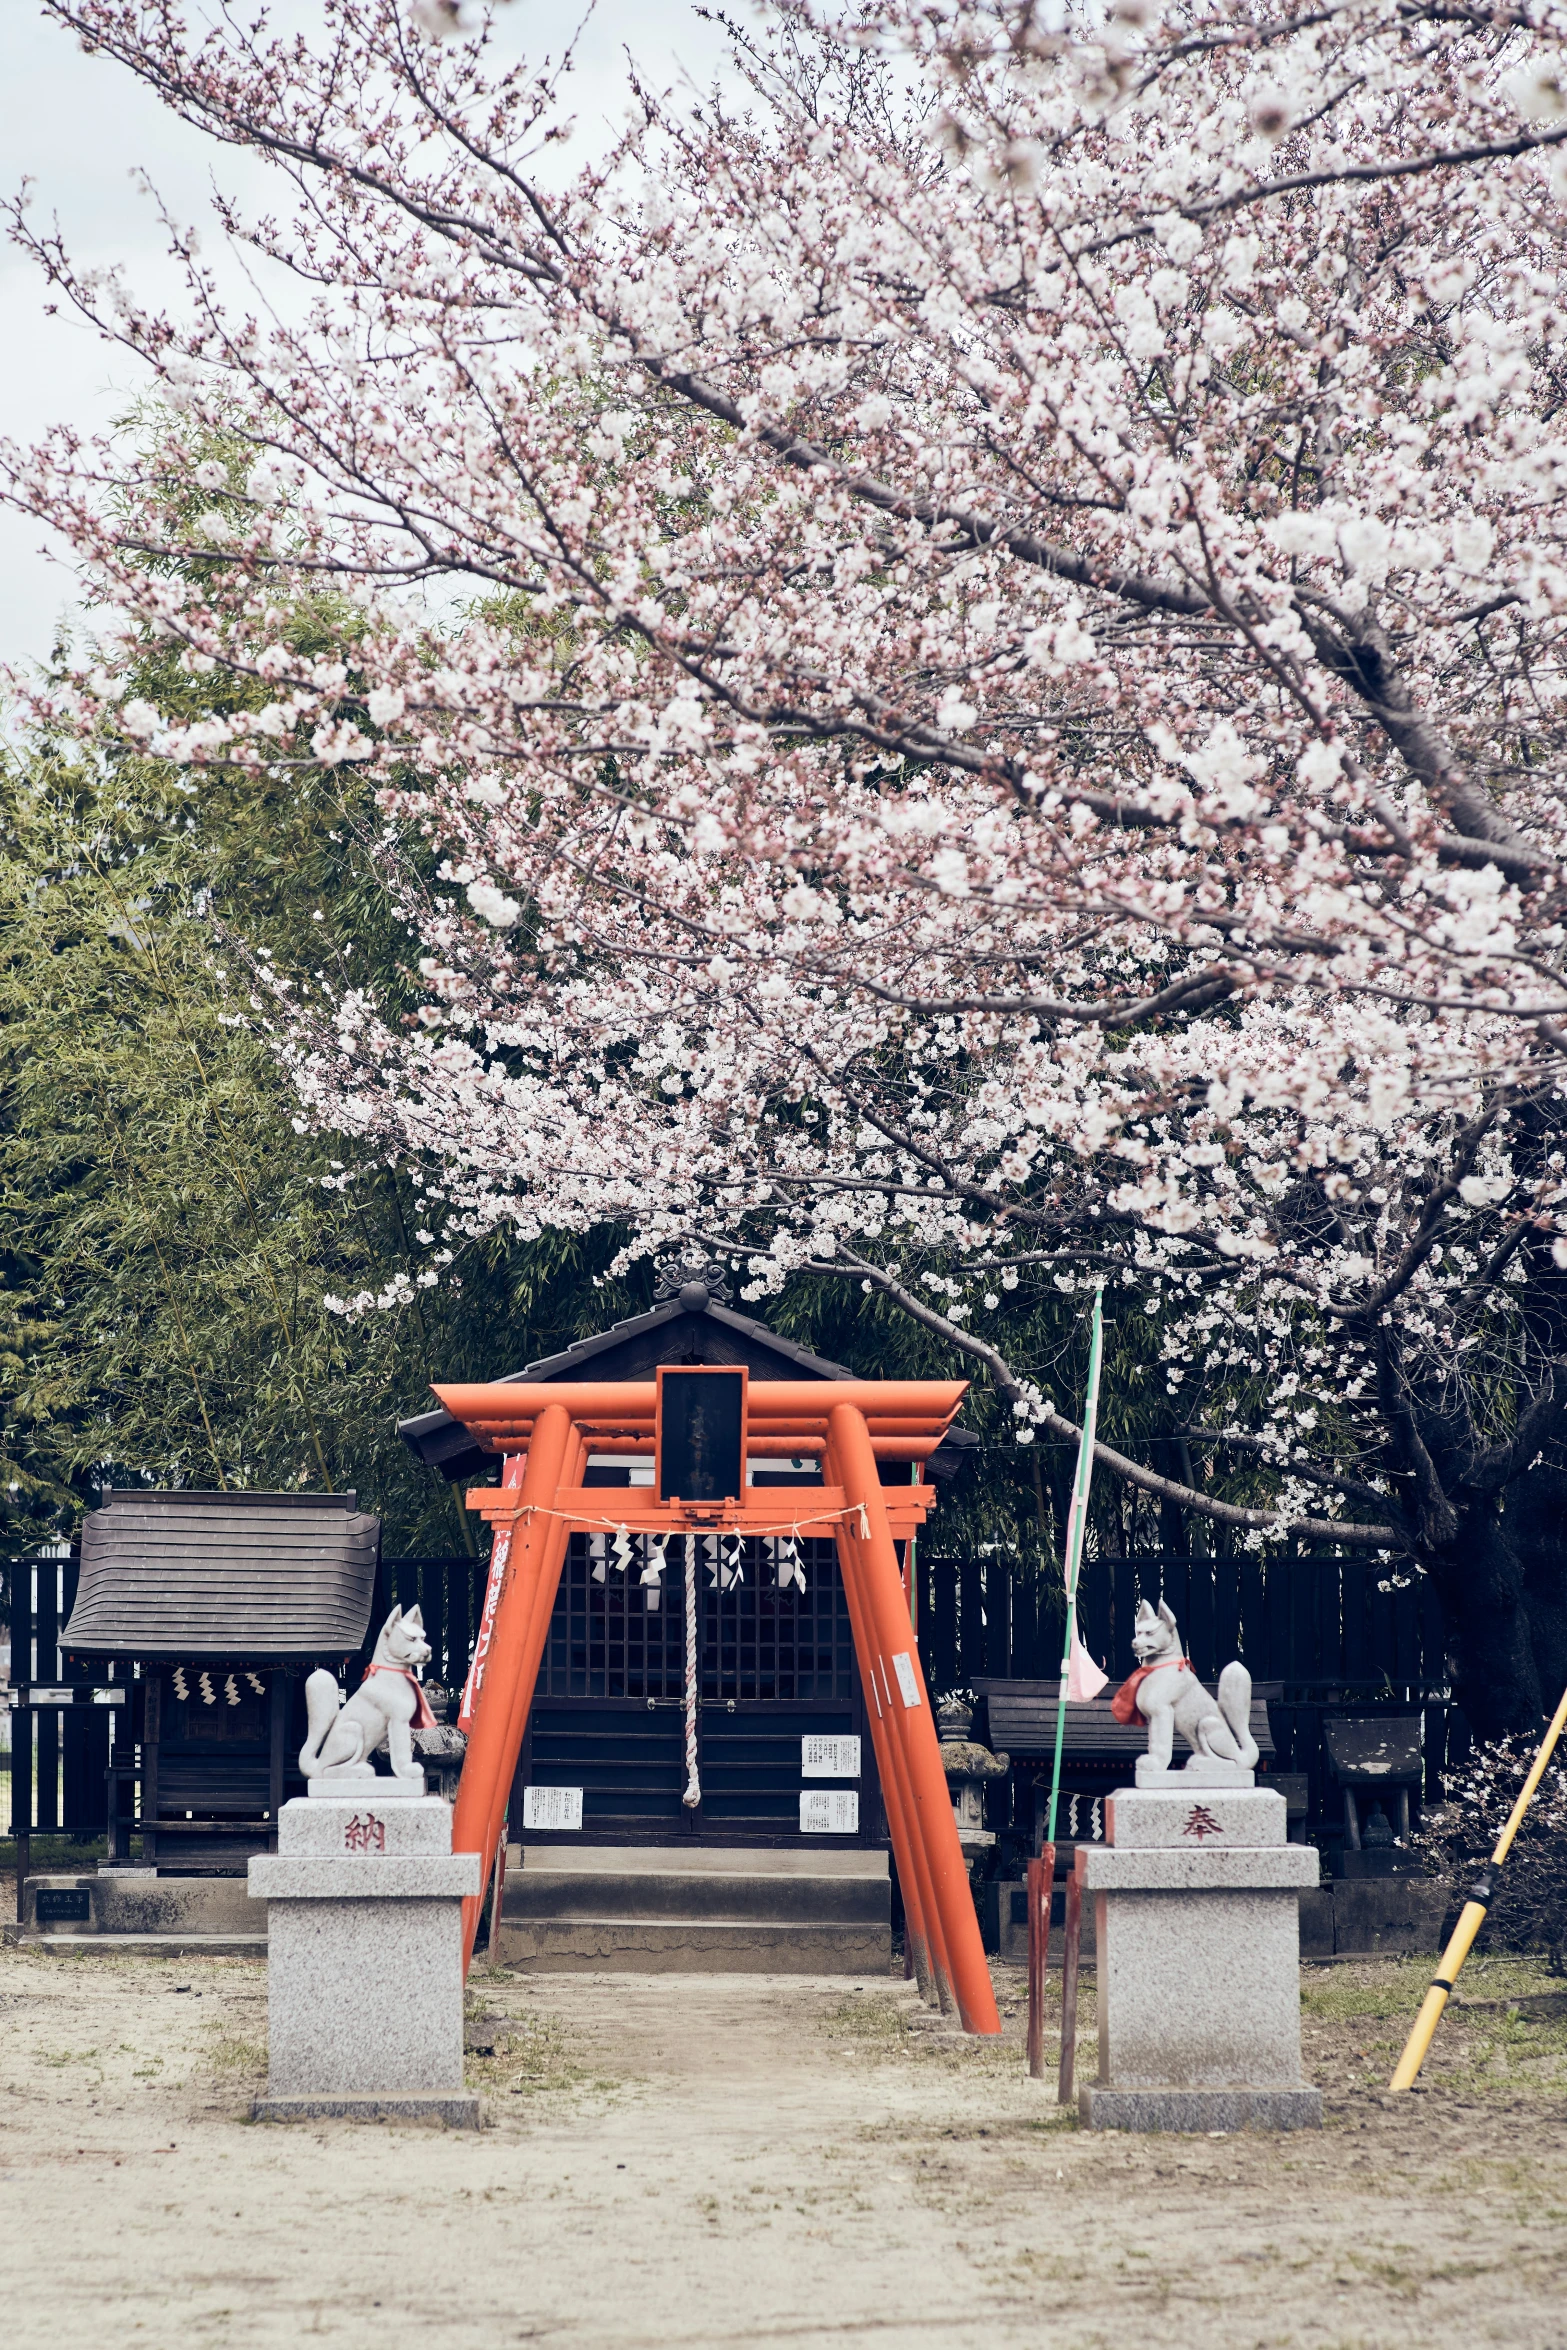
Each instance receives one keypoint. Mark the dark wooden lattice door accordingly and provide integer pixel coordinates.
(775, 1665)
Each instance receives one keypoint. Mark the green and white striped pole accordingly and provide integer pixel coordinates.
(1077, 1520)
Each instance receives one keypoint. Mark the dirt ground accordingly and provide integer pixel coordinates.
(698, 2161)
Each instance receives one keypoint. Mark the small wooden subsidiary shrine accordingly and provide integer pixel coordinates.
(220, 1601)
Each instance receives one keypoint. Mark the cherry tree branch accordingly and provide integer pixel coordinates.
(1043, 1414)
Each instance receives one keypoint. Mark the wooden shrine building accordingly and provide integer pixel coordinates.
(776, 1652)
(212, 1606)
(709, 1489)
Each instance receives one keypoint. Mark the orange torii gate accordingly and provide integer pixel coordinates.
(849, 1425)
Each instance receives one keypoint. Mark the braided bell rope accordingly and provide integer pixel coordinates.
(693, 1794)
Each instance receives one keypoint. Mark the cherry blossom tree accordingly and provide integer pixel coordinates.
(975, 619)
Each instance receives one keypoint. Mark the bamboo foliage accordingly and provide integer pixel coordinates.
(170, 1236)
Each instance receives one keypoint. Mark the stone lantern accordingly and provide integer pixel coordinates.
(968, 1765)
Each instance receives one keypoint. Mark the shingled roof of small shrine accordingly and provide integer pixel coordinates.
(253, 1576)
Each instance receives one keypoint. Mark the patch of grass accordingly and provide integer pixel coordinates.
(1488, 2049)
(873, 2016)
(230, 2052)
(1391, 1988)
(529, 2055)
(54, 1856)
(1507, 2056)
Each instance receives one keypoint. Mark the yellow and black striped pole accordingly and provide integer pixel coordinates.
(1472, 1917)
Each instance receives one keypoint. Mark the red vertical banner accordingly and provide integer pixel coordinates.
(500, 1552)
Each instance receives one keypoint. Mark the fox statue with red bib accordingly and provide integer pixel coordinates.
(1166, 1694)
(385, 1710)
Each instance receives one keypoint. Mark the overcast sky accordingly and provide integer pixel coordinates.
(78, 128)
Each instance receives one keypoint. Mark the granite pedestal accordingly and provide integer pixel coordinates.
(1196, 1914)
(364, 1962)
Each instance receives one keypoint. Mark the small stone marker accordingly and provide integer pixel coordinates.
(364, 1956)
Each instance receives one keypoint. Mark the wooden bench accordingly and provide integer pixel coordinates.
(1098, 1754)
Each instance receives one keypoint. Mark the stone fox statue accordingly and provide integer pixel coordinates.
(1169, 1697)
(385, 1710)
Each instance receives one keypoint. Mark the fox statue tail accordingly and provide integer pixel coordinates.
(321, 1711)
(1234, 1698)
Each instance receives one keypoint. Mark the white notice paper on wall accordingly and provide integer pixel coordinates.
(829, 1811)
(829, 1758)
(552, 1807)
(903, 1666)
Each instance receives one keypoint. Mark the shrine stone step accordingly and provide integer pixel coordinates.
(632, 1909)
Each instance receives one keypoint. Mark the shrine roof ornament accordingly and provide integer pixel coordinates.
(692, 1277)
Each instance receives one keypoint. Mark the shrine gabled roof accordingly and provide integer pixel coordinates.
(668, 1333)
(243, 1576)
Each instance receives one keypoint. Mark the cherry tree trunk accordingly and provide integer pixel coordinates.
(1537, 1514)
(1503, 1587)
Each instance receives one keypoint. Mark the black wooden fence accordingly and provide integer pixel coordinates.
(1334, 1626)
(1318, 1632)
(59, 1753)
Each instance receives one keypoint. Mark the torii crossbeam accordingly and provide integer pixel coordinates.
(544, 1431)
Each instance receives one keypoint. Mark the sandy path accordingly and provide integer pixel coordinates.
(700, 2161)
